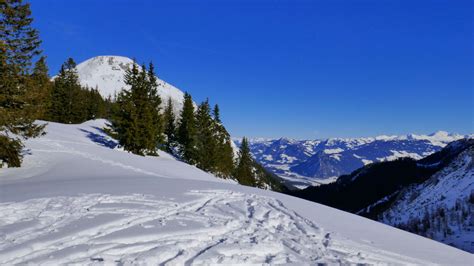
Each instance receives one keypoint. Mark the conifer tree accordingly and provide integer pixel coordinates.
(244, 170)
(137, 120)
(41, 85)
(93, 103)
(216, 114)
(186, 134)
(169, 127)
(206, 141)
(153, 106)
(19, 44)
(224, 150)
(66, 105)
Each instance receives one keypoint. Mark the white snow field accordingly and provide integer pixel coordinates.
(79, 199)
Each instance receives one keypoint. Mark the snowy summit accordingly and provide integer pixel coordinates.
(106, 73)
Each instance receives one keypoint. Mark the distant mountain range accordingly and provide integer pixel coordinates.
(433, 197)
(311, 162)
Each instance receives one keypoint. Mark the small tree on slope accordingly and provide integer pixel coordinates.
(206, 144)
(186, 134)
(224, 150)
(244, 170)
(169, 127)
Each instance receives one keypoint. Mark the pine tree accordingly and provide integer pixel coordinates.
(41, 84)
(66, 103)
(19, 44)
(186, 134)
(153, 103)
(137, 120)
(224, 150)
(216, 114)
(169, 127)
(244, 170)
(93, 103)
(206, 141)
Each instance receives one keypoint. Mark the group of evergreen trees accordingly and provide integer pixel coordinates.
(197, 137)
(69, 102)
(201, 139)
(27, 93)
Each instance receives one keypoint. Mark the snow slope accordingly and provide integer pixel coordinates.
(107, 74)
(79, 199)
(440, 207)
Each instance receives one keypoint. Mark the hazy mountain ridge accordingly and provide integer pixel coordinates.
(309, 162)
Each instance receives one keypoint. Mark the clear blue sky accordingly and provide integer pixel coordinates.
(301, 69)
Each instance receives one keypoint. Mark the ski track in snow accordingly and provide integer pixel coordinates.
(57, 147)
(218, 226)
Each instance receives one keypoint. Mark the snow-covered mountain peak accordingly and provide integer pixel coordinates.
(440, 133)
(106, 73)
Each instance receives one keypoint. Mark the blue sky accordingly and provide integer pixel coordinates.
(300, 69)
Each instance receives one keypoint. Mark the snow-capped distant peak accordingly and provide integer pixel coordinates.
(440, 133)
(106, 73)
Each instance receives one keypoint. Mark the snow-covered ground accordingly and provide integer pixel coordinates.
(79, 199)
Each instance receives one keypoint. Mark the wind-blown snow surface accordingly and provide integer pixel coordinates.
(78, 199)
(106, 73)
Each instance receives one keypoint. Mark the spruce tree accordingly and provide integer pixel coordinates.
(19, 44)
(41, 85)
(66, 103)
(216, 114)
(224, 150)
(206, 141)
(153, 107)
(244, 170)
(136, 120)
(169, 126)
(186, 134)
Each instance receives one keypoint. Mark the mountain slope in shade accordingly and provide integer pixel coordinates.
(442, 207)
(106, 73)
(79, 200)
(313, 162)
